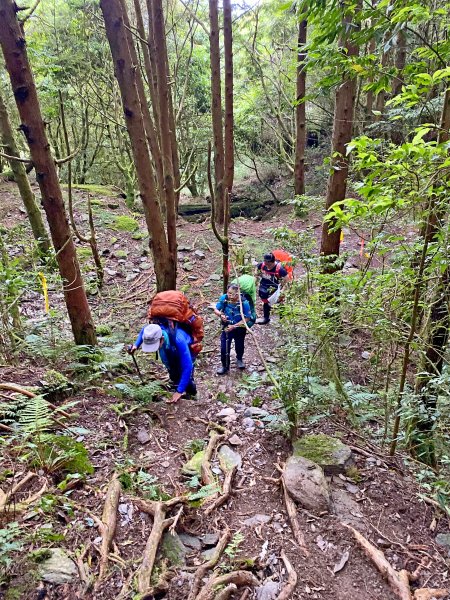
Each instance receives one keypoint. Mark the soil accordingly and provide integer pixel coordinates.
(380, 498)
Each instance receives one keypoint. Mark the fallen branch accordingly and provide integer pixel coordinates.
(158, 510)
(239, 578)
(206, 472)
(12, 387)
(226, 493)
(109, 522)
(210, 564)
(5, 496)
(292, 579)
(398, 580)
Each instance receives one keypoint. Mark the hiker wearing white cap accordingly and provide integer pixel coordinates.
(175, 353)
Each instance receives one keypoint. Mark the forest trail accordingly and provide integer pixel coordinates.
(379, 498)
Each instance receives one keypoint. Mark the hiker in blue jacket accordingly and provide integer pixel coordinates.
(175, 353)
(229, 310)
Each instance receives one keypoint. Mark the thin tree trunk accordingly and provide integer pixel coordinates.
(166, 141)
(400, 61)
(370, 96)
(14, 50)
(216, 111)
(229, 125)
(342, 134)
(20, 177)
(300, 112)
(126, 74)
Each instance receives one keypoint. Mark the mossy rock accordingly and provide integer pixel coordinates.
(194, 465)
(121, 253)
(328, 452)
(92, 188)
(125, 223)
(173, 550)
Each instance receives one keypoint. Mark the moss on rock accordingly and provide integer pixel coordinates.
(328, 452)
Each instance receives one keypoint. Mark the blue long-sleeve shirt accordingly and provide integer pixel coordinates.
(180, 348)
(232, 310)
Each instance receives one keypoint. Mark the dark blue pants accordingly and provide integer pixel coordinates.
(175, 374)
(238, 335)
(264, 293)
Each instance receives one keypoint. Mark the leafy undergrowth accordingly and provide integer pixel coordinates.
(83, 422)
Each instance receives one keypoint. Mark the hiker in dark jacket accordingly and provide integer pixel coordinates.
(273, 276)
(175, 353)
(228, 308)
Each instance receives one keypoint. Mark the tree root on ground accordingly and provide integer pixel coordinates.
(289, 588)
(226, 592)
(210, 564)
(109, 522)
(291, 509)
(158, 511)
(226, 492)
(206, 472)
(12, 387)
(239, 578)
(398, 580)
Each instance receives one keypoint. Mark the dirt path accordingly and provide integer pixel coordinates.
(380, 500)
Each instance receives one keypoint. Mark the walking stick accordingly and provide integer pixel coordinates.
(136, 365)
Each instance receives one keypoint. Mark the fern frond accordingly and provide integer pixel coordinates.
(35, 416)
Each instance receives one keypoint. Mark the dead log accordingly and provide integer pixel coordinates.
(226, 493)
(289, 588)
(210, 564)
(239, 578)
(242, 208)
(12, 387)
(398, 580)
(109, 522)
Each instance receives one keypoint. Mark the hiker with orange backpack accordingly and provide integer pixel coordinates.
(273, 276)
(176, 332)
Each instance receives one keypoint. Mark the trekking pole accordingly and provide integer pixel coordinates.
(227, 346)
(135, 364)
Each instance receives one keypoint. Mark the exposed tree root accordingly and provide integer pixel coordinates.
(109, 522)
(430, 593)
(398, 580)
(5, 496)
(239, 578)
(291, 509)
(289, 588)
(210, 564)
(206, 472)
(226, 493)
(158, 510)
(226, 592)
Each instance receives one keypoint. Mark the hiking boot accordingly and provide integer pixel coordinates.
(240, 364)
(222, 371)
(262, 321)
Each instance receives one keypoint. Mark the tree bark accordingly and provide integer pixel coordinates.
(300, 112)
(16, 59)
(164, 127)
(20, 176)
(229, 125)
(126, 74)
(216, 111)
(342, 134)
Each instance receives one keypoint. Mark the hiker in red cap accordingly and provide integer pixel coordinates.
(273, 276)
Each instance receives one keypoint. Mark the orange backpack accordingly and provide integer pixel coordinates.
(286, 261)
(173, 306)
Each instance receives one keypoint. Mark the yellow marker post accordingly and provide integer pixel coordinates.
(45, 292)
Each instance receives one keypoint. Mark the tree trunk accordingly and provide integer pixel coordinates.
(370, 96)
(20, 176)
(127, 74)
(400, 61)
(342, 134)
(216, 112)
(229, 125)
(14, 50)
(164, 127)
(300, 112)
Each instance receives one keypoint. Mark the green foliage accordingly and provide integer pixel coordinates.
(142, 483)
(35, 415)
(144, 394)
(9, 544)
(58, 454)
(207, 491)
(193, 446)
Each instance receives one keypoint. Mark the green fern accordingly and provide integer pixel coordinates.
(35, 416)
(143, 393)
(204, 492)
